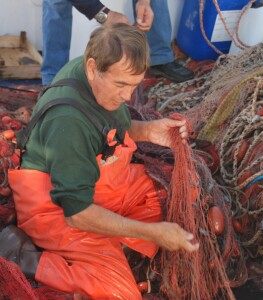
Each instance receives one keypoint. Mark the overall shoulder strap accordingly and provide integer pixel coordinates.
(84, 92)
(78, 85)
(23, 135)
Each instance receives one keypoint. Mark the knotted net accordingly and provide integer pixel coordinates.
(201, 274)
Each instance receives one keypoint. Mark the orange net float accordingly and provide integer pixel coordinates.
(216, 220)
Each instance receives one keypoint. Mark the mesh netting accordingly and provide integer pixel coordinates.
(225, 108)
(196, 275)
(14, 285)
(199, 99)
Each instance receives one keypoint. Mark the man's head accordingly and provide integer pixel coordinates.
(115, 61)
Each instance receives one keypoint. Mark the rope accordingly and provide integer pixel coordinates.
(210, 130)
(254, 181)
(236, 41)
(244, 125)
(253, 239)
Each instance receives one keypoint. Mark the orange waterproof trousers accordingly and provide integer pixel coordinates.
(81, 262)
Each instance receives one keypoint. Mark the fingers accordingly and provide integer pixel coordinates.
(143, 27)
(184, 240)
(182, 127)
(184, 133)
(173, 237)
(189, 245)
(177, 123)
(144, 17)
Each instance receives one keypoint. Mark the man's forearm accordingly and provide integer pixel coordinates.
(96, 219)
(99, 220)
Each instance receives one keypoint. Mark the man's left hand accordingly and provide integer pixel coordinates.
(144, 15)
(158, 131)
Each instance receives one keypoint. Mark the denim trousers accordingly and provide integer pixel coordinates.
(57, 28)
(160, 34)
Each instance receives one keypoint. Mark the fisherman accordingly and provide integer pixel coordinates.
(78, 196)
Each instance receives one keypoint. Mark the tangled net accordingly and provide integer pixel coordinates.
(199, 99)
(200, 274)
(14, 286)
(241, 167)
(205, 211)
(225, 109)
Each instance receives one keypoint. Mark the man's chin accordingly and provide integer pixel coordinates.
(113, 107)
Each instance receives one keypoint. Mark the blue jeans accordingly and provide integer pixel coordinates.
(57, 26)
(159, 36)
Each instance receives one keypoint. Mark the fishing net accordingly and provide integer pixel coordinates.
(14, 286)
(192, 275)
(225, 109)
(205, 211)
(241, 167)
(211, 100)
(202, 274)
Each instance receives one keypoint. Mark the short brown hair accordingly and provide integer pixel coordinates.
(108, 44)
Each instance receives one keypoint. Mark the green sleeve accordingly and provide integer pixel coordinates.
(70, 150)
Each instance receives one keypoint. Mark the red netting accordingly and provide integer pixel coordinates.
(191, 275)
(225, 108)
(15, 286)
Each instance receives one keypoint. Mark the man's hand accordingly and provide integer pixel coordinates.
(173, 237)
(144, 15)
(115, 17)
(157, 131)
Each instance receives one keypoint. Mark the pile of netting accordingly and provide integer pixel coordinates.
(201, 274)
(202, 206)
(225, 109)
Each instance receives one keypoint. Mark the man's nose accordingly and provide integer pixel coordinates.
(126, 93)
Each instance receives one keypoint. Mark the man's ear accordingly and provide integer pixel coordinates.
(91, 68)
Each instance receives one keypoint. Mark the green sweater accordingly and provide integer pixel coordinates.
(64, 143)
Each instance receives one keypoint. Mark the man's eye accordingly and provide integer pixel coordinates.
(120, 85)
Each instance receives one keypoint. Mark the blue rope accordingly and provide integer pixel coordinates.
(254, 181)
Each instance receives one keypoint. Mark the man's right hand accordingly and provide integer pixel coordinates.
(173, 237)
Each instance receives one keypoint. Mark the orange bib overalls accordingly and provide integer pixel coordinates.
(81, 262)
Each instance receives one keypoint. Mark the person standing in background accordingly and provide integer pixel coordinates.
(161, 51)
(57, 29)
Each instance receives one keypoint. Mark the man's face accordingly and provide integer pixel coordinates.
(113, 87)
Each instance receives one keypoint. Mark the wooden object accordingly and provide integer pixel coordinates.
(18, 58)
